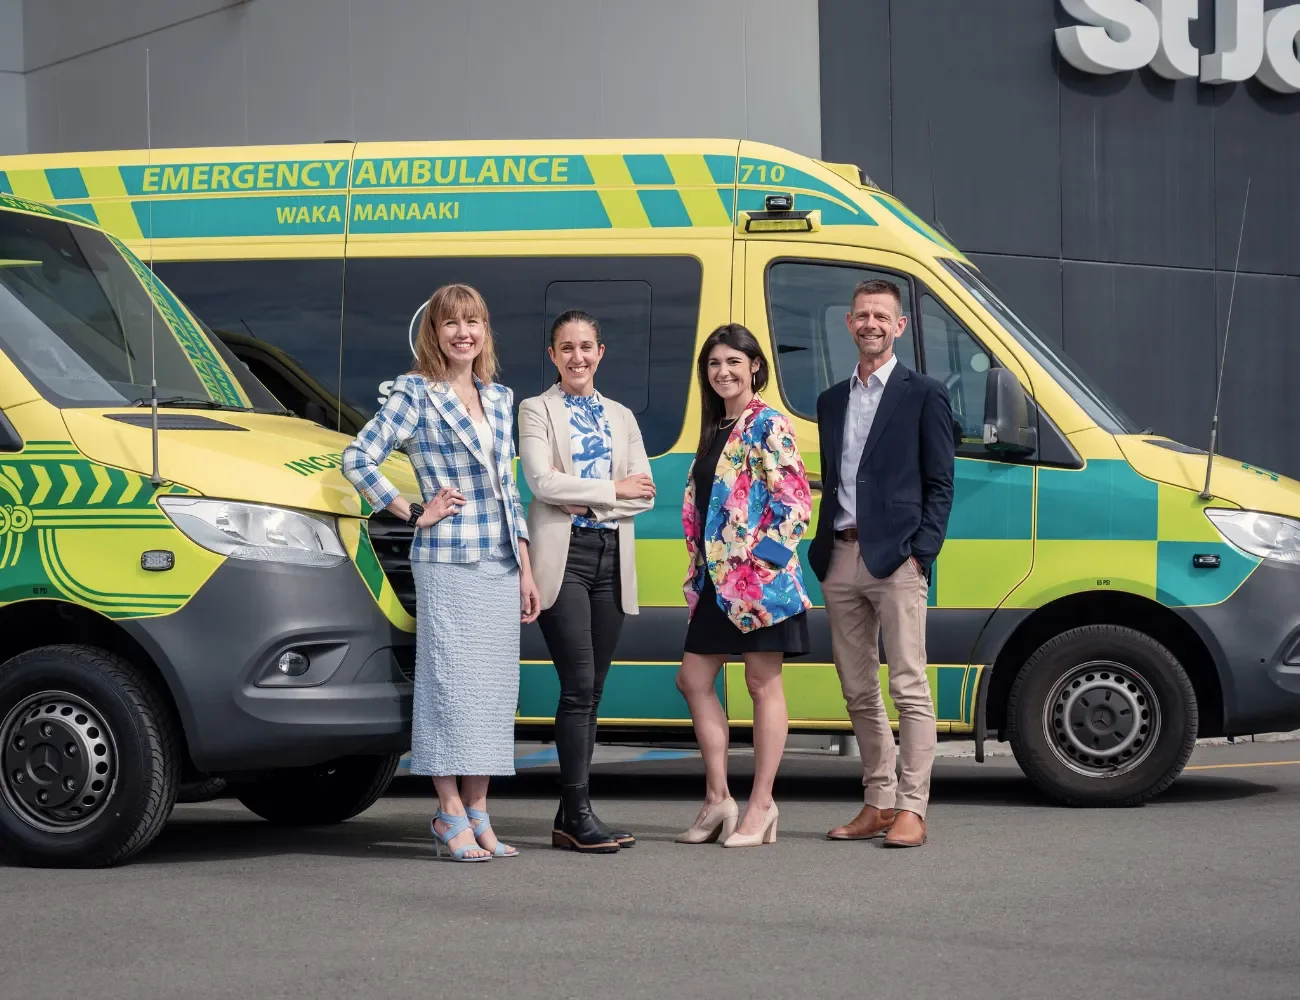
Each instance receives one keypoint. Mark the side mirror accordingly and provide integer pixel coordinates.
(1009, 426)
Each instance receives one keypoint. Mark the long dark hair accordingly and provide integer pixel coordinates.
(712, 409)
(573, 316)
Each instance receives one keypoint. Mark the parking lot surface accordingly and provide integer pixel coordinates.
(1194, 895)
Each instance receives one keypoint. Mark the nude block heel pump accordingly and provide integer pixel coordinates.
(718, 823)
(765, 835)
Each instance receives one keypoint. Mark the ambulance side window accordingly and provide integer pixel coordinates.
(280, 317)
(648, 308)
(808, 303)
(959, 361)
(623, 309)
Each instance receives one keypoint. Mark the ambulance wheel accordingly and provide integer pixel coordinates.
(89, 759)
(327, 793)
(1102, 716)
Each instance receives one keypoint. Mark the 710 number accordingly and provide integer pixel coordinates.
(747, 169)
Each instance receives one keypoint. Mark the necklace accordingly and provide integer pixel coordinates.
(724, 424)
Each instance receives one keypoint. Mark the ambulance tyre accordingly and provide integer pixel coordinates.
(326, 793)
(89, 758)
(1102, 716)
(201, 791)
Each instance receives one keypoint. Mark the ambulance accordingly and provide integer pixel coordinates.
(1089, 605)
(179, 604)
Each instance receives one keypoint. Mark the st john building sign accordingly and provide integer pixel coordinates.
(1116, 36)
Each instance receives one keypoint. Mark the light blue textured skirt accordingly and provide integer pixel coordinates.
(466, 667)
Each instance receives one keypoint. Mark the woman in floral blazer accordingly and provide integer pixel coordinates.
(747, 505)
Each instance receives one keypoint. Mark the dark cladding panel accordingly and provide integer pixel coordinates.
(1146, 335)
(1137, 169)
(855, 85)
(982, 75)
(1258, 417)
(1030, 286)
(1257, 137)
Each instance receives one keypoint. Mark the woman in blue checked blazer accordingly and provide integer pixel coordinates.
(473, 581)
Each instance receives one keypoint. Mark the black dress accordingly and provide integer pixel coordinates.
(711, 632)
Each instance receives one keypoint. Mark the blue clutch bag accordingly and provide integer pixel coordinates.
(772, 551)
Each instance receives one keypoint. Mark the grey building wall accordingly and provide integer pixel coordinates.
(1107, 208)
(13, 85)
(268, 71)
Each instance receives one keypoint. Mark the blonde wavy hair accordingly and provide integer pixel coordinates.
(453, 302)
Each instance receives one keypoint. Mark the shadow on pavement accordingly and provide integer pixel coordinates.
(204, 834)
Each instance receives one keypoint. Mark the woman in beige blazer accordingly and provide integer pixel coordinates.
(587, 468)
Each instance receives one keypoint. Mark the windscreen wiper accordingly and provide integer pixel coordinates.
(192, 402)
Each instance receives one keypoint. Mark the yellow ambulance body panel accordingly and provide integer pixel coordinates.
(311, 262)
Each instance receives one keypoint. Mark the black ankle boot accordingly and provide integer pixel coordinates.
(620, 837)
(577, 829)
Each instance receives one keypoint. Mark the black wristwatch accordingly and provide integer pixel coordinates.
(416, 511)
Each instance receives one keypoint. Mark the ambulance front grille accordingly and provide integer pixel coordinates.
(392, 541)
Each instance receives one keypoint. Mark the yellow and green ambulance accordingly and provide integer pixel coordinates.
(1088, 605)
(218, 610)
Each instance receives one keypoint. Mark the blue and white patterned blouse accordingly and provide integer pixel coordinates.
(591, 443)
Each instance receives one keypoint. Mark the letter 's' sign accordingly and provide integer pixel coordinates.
(1121, 35)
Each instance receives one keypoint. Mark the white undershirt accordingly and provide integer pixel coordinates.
(487, 442)
(864, 400)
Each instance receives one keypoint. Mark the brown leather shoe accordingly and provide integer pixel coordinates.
(869, 824)
(908, 830)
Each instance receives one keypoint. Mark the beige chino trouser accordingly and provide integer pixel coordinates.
(861, 608)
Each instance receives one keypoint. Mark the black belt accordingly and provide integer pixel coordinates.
(847, 534)
(582, 529)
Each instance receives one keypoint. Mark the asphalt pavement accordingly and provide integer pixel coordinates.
(1193, 895)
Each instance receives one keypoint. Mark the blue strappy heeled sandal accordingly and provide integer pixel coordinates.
(456, 825)
(481, 822)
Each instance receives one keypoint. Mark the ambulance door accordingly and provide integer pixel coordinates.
(796, 299)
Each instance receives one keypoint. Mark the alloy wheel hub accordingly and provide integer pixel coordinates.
(58, 762)
(1101, 719)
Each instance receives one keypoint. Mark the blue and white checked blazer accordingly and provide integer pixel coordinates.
(428, 422)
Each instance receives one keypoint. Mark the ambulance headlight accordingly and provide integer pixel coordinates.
(255, 532)
(1267, 536)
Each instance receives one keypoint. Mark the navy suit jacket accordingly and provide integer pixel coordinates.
(904, 488)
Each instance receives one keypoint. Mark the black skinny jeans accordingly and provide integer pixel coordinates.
(581, 630)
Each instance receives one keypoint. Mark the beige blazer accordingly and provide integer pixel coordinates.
(547, 458)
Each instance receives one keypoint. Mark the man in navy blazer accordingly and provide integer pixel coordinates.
(887, 455)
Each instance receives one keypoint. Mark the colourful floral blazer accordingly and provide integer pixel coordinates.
(760, 489)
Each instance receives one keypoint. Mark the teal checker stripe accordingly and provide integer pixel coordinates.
(723, 168)
(1180, 584)
(632, 691)
(5, 187)
(648, 168)
(1105, 501)
(948, 698)
(85, 210)
(247, 216)
(482, 211)
(664, 519)
(728, 197)
(664, 208)
(66, 183)
(991, 500)
(811, 584)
